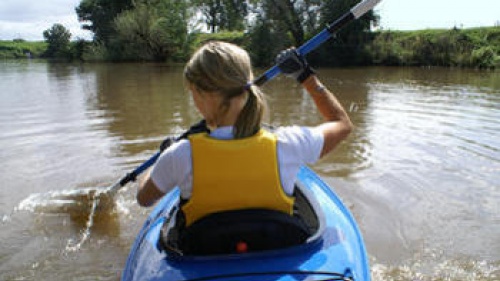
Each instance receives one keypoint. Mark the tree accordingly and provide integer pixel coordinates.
(98, 16)
(278, 24)
(152, 30)
(265, 41)
(219, 15)
(58, 39)
(296, 17)
(349, 44)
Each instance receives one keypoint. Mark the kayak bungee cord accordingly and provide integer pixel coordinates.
(334, 276)
(355, 13)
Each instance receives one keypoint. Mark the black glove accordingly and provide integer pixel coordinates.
(294, 65)
(167, 143)
(200, 127)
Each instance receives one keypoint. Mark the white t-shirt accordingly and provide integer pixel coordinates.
(296, 146)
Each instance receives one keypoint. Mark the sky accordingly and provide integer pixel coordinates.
(27, 19)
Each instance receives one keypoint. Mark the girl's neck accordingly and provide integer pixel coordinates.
(229, 117)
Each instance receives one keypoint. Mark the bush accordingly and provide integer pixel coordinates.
(484, 57)
(95, 52)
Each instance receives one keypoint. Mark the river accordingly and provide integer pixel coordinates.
(421, 172)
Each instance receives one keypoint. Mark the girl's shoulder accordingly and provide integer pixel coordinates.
(181, 148)
(300, 142)
(294, 132)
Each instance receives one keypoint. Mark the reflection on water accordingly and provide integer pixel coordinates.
(421, 172)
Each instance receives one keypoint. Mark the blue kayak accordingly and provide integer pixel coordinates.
(332, 249)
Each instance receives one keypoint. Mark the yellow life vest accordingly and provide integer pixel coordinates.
(235, 174)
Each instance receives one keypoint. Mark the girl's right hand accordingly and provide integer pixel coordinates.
(294, 65)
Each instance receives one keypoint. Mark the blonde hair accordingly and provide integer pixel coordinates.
(226, 69)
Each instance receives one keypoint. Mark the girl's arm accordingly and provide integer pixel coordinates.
(337, 125)
(148, 193)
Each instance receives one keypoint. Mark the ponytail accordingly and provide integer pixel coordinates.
(250, 118)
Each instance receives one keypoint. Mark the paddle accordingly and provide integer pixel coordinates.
(356, 12)
(196, 128)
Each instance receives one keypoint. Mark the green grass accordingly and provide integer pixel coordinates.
(474, 47)
(21, 49)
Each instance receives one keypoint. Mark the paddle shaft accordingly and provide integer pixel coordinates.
(356, 12)
(133, 175)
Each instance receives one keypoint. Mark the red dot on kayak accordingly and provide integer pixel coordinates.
(241, 247)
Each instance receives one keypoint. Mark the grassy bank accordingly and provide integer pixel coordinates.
(21, 49)
(475, 47)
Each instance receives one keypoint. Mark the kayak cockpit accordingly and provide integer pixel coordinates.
(333, 250)
(244, 231)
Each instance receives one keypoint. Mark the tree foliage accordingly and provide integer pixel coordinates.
(152, 30)
(156, 29)
(295, 17)
(98, 16)
(223, 15)
(348, 47)
(266, 40)
(58, 40)
(299, 20)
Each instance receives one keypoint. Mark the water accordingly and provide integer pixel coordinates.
(421, 172)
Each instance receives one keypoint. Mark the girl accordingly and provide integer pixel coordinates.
(239, 164)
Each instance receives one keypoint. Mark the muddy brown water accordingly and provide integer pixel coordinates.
(421, 172)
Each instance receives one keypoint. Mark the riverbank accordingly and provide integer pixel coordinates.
(472, 48)
(21, 49)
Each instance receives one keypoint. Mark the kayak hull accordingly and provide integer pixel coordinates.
(339, 250)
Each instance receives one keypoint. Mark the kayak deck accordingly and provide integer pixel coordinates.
(336, 252)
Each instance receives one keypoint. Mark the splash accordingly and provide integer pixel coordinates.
(67, 201)
(71, 247)
(82, 205)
